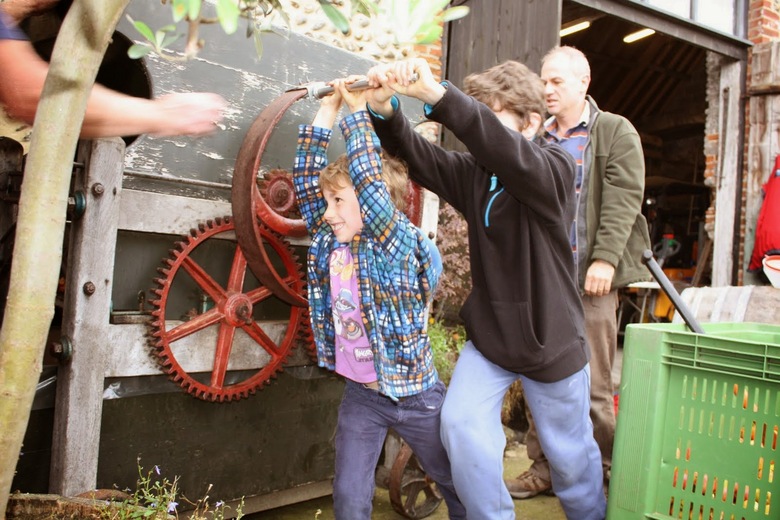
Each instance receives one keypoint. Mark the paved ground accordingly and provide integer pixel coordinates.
(516, 461)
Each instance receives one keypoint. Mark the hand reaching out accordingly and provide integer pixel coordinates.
(192, 114)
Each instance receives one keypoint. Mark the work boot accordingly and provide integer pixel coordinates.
(528, 485)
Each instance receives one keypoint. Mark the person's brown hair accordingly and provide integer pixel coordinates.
(335, 176)
(508, 86)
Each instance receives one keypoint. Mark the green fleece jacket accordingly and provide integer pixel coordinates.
(610, 224)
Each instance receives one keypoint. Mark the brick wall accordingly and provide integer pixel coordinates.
(763, 27)
(764, 21)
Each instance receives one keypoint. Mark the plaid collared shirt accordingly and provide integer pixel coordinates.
(396, 274)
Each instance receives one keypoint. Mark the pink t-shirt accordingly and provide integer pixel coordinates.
(354, 358)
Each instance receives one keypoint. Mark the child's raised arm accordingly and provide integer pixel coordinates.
(329, 108)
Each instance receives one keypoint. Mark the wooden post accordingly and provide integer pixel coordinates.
(90, 268)
(727, 178)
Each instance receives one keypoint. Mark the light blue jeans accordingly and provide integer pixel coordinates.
(474, 438)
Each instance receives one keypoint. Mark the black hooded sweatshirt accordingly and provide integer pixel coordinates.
(524, 312)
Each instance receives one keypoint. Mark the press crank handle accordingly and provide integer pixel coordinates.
(320, 90)
(671, 292)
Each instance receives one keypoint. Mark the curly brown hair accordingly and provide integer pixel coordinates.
(508, 86)
(394, 174)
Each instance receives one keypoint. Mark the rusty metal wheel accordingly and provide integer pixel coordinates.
(412, 493)
(226, 327)
(251, 210)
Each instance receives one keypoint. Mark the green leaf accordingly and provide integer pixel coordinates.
(258, 44)
(142, 28)
(228, 13)
(169, 40)
(427, 11)
(429, 34)
(194, 9)
(336, 17)
(455, 13)
(283, 15)
(364, 7)
(179, 9)
(159, 37)
(138, 50)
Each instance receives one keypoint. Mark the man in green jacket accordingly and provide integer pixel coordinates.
(608, 236)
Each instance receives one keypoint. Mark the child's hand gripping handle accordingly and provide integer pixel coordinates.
(320, 90)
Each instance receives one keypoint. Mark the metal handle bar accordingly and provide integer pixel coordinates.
(671, 292)
(320, 89)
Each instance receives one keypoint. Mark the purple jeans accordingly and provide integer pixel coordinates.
(365, 415)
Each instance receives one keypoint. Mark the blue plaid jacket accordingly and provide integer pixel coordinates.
(396, 273)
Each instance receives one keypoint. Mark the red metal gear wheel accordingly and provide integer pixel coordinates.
(251, 210)
(278, 191)
(413, 494)
(232, 316)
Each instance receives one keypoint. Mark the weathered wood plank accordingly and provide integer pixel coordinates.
(85, 320)
(130, 351)
(728, 178)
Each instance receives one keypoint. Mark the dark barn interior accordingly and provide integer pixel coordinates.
(659, 84)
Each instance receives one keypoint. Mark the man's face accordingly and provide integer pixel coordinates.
(564, 87)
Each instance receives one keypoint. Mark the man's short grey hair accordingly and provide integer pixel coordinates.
(578, 60)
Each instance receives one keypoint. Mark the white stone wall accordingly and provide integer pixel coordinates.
(368, 37)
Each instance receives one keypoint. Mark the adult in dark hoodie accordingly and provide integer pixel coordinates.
(523, 317)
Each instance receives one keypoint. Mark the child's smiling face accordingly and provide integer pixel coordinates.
(343, 213)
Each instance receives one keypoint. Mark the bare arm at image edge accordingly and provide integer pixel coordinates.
(109, 113)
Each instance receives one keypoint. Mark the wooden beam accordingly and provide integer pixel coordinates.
(79, 402)
(680, 28)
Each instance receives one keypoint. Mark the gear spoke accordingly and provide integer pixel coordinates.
(259, 294)
(255, 332)
(202, 278)
(222, 354)
(413, 490)
(237, 272)
(194, 325)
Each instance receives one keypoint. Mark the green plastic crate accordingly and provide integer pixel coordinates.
(697, 426)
